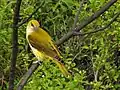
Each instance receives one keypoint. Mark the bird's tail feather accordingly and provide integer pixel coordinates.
(62, 68)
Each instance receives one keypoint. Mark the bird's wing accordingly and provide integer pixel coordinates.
(46, 48)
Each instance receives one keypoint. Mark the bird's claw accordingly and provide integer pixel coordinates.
(37, 62)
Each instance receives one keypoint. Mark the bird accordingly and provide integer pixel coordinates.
(42, 45)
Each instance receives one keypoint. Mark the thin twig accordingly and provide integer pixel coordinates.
(75, 56)
(30, 16)
(77, 15)
(96, 75)
(100, 29)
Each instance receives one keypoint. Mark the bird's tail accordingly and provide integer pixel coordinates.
(62, 68)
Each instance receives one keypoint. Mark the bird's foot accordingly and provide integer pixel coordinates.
(37, 62)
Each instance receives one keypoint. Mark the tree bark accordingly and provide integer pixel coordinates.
(14, 45)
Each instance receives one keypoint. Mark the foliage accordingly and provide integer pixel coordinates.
(94, 58)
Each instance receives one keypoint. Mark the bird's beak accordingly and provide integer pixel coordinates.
(36, 28)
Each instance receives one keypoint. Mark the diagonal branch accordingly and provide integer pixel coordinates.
(30, 16)
(100, 29)
(27, 75)
(86, 22)
(77, 15)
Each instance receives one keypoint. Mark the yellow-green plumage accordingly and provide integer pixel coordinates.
(42, 45)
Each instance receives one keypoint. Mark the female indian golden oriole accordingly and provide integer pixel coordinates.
(42, 45)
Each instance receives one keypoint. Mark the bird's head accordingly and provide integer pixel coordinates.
(33, 25)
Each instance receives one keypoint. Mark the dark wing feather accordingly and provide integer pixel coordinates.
(43, 48)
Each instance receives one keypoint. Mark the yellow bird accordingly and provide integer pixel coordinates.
(42, 46)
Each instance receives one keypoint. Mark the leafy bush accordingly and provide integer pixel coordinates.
(94, 58)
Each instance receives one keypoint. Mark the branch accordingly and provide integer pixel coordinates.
(30, 16)
(28, 74)
(76, 17)
(96, 75)
(86, 22)
(14, 44)
(100, 29)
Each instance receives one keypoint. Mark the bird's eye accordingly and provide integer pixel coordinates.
(32, 24)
